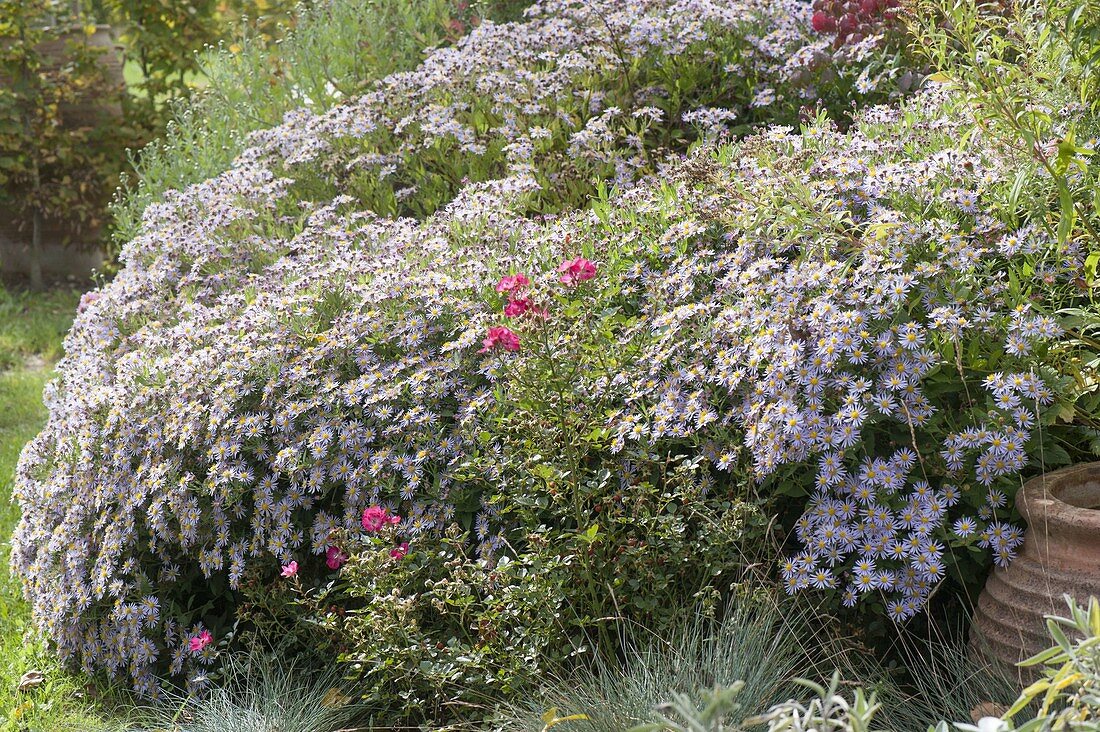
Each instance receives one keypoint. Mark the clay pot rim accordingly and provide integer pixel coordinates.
(1040, 507)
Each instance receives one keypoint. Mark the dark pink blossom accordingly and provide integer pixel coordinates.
(376, 517)
(576, 270)
(517, 307)
(200, 641)
(399, 551)
(500, 336)
(335, 557)
(511, 283)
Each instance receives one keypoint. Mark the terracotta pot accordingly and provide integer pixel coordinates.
(1061, 555)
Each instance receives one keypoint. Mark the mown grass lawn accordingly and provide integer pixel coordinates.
(32, 326)
(31, 329)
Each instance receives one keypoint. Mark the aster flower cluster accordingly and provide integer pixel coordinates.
(577, 90)
(269, 366)
(873, 354)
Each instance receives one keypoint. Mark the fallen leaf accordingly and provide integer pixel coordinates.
(31, 678)
(987, 709)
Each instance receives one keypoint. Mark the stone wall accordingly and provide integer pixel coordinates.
(58, 261)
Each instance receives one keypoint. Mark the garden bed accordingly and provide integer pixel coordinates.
(613, 366)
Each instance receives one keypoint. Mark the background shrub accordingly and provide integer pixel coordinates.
(59, 126)
(334, 51)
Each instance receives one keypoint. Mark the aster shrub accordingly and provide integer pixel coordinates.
(176, 420)
(579, 92)
(249, 387)
(334, 51)
(456, 449)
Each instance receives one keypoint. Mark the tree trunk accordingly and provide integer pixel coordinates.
(35, 263)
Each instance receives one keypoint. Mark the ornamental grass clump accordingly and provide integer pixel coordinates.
(754, 643)
(255, 693)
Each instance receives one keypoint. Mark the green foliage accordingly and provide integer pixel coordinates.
(58, 138)
(269, 19)
(754, 645)
(256, 693)
(666, 531)
(736, 669)
(441, 634)
(827, 711)
(437, 635)
(163, 40)
(1081, 29)
(1069, 692)
(335, 50)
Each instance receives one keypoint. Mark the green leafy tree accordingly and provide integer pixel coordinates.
(59, 143)
(162, 39)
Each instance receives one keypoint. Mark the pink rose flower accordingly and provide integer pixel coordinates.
(200, 641)
(502, 337)
(335, 557)
(517, 307)
(822, 23)
(375, 517)
(576, 270)
(511, 283)
(399, 551)
(289, 570)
